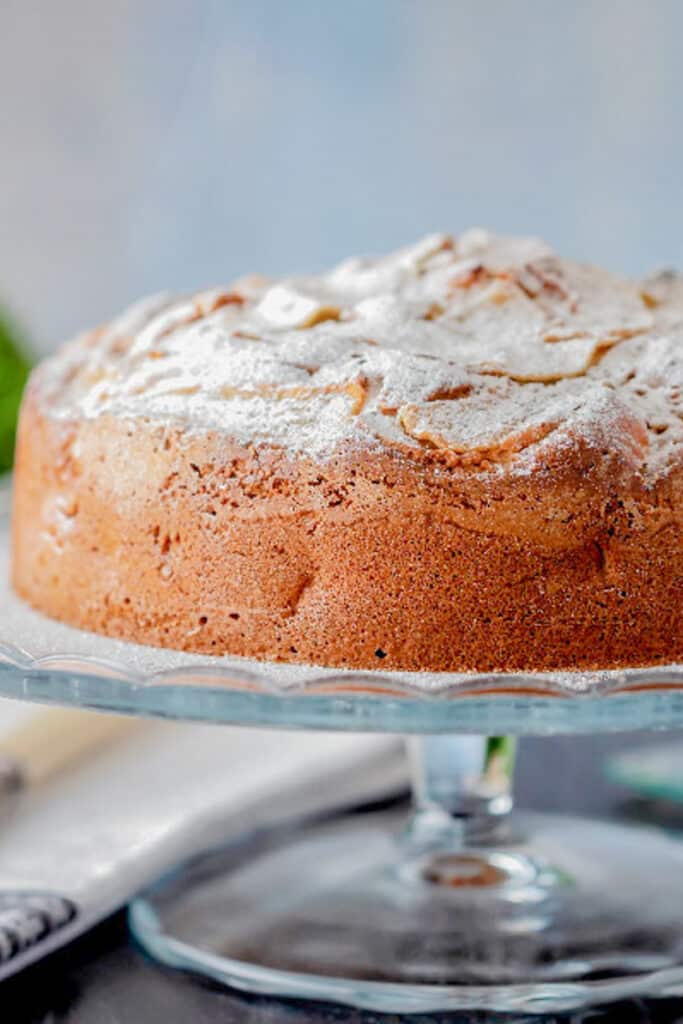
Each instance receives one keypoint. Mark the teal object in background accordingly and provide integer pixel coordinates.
(14, 370)
(655, 772)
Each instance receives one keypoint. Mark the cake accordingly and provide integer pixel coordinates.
(466, 455)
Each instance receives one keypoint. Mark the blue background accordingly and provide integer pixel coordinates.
(147, 144)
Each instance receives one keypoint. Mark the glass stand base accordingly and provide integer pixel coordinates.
(544, 914)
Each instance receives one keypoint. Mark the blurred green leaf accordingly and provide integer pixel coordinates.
(500, 754)
(14, 370)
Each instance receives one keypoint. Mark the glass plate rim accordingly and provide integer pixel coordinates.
(335, 700)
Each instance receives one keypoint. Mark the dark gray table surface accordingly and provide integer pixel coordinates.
(103, 979)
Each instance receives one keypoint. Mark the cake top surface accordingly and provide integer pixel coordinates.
(478, 349)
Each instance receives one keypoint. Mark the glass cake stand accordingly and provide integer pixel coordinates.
(463, 906)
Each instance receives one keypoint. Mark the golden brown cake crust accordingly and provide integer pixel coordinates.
(540, 544)
(368, 562)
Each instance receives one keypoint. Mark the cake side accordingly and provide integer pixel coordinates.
(134, 529)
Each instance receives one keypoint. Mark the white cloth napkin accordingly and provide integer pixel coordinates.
(110, 821)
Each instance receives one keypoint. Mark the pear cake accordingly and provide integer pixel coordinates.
(464, 456)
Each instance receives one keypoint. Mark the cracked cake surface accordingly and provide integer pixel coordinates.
(465, 455)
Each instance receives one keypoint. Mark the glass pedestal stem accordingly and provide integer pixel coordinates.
(462, 789)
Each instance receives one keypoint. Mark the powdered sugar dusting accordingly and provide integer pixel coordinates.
(484, 348)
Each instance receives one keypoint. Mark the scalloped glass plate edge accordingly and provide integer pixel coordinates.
(253, 693)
